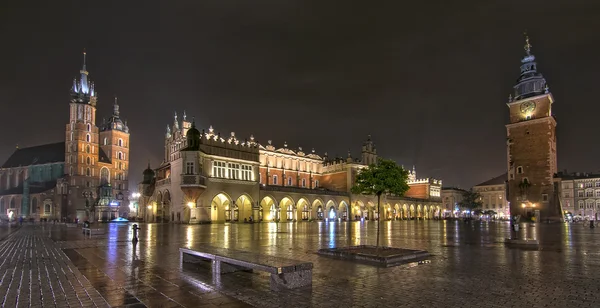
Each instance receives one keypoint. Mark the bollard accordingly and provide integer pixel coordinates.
(135, 232)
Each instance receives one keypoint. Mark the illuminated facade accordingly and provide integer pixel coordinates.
(493, 196)
(579, 194)
(531, 145)
(209, 178)
(83, 177)
(451, 199)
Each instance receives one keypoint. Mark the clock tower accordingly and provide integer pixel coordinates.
(531, 145)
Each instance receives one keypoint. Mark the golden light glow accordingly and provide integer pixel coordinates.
(523, 205)
(149, 207)
(269, 217)
(191, 205)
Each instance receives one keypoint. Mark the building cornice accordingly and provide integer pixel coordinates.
(532, 121)
(549, 95)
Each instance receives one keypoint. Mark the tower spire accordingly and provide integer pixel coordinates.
(116, 108)
(527, 44)
(84, 54)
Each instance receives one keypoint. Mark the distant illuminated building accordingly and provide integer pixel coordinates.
(207, 177)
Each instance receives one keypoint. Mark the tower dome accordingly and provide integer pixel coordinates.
(193, 137)
(148, 175)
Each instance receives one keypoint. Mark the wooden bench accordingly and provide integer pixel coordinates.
(285, 273)
(91, 231)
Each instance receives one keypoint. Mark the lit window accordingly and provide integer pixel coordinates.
(105, 141)
(233, 170)
(219, 169)
(246, 172)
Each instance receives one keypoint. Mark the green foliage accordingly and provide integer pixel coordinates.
(383, 178)
(471, 200)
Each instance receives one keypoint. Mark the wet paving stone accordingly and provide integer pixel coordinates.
(469, 267)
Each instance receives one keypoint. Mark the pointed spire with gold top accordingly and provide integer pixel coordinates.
(530, 82)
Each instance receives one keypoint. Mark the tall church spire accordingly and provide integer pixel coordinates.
(530, 82)
(83, 89)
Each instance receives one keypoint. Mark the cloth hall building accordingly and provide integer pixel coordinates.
(208, 178)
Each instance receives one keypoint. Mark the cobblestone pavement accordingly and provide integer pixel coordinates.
(470, 266)
(35, 272)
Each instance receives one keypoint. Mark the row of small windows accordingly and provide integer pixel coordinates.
(589, 204)
(232, 171)
(289, 181)
(33, 206)
(587, 193)
(88, 138)
(588, 185)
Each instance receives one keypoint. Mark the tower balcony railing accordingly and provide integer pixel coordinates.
(193, 180)
(166, 181)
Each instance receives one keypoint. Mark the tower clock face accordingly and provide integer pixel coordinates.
(528, 107)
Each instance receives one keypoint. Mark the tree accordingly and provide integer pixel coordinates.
(471, 200)
(383, 178)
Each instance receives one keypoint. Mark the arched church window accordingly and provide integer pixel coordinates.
(303, 182)
(316, 183)
(88, 138)
(88, 161)
(88, 172)
(87, 149)
(89, 127)
(105, 141)
(120, 142)
(519, 170)
(104, 176)
(119, 155)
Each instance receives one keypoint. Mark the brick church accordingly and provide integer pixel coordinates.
(83, 177)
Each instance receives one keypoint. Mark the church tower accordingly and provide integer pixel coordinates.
(81, 140)
(369, 152)
(114, 138)
(531, 144)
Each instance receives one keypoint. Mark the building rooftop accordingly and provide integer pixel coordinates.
(499, 180)
(577, 175)
(452, 188)
(37, 155)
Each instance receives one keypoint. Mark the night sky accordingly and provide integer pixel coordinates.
(429, 80)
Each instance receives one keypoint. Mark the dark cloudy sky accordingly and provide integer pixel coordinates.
(428, 79)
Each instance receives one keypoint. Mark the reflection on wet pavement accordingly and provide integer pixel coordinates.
(470, 265)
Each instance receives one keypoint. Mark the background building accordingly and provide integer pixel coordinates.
(208, 178)
(493, 196)
(451, 199)
(579, 194)
(87, 174)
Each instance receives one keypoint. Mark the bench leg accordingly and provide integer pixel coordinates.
(220, 267)
(291, 280)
